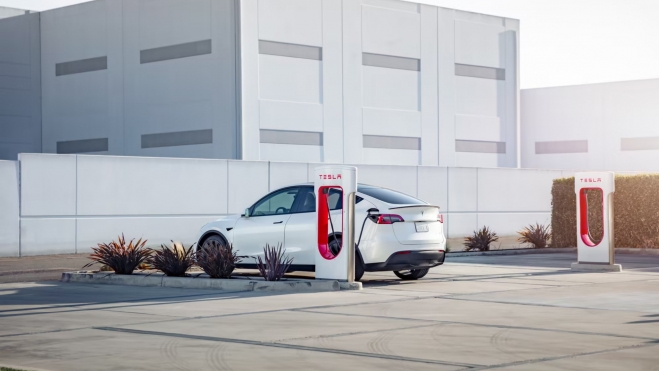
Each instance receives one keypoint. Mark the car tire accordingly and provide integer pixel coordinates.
(335, 247)
(213, 237)
(412, 274)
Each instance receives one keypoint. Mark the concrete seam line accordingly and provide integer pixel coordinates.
(287, 346)
(355, 332)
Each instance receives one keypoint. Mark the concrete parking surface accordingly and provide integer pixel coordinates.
(525, 312)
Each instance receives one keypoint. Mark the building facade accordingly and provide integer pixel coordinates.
(610, 126)
(341, 81)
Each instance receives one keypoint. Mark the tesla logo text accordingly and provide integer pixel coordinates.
(590, 180)
(330, 176)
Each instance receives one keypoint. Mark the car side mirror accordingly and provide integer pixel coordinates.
(246, 215)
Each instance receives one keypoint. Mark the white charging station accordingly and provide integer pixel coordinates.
(595, 255)
(331, 180)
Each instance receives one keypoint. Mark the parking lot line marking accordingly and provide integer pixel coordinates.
(289, 346)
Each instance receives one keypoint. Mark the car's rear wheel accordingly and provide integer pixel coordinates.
(411, 274)
(335, 248)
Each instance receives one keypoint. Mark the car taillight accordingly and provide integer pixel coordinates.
(440, 218)
(390, 219)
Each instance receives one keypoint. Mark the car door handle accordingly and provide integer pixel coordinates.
(279, 222)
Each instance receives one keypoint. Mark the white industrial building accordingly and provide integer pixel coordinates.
(341, 81)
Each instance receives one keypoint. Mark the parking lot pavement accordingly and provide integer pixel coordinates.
(523, 312)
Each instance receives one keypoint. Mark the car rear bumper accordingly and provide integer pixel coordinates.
(409, 260)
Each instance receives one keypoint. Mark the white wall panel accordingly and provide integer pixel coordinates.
(353, 94)
(283, 174)
(280, 115)
(391, 88)
(290, 79)
(291, 21)
(47, 236)
(248, 182)
(473, 127)
(446, 87)
(471, 159)
(433, 186)
(156, 230)
(515, 190)
(462, 189)
(461, 225)
(392, 122)
(400, 178)
(391, 32)
(332, 81)
(508, 224)
(429, 86)
(9, 209)
(483, 97)
(480, 44)
(291, 152)
(48, 185)
(382, 156)
(151, 186)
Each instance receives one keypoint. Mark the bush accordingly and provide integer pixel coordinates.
(537, 235)
(481, 240)
(122, 258)
(216, 259)
(173, 261)
(636, 206)
(274, 264)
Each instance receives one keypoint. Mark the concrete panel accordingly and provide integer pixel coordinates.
(461, 225)
(392, 122)
(47, 236)
(156, 230)
(391, 32)
(248, 182)
(291, 116)
(429, 87)
(446, 89)
(291, 152)
(386, 156)
(249, 78)
(290, 79)
(508, 224)
(286, 173)
(353, 81)
(400, 178)
(514, 190)
(388, 142)
(48, 185)
(173, 22)
(475, 159)
(433, 186)
(332, 82)
(391, 88)
(462, 189)
(481, 97)
(484, 128)
(9, 209)
(291, 21)
(479, 44)
(151, 186)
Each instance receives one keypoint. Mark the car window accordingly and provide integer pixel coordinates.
(389, 196)
(277, 203)
(308, 202)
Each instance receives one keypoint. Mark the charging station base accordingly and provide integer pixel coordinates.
(586, 267)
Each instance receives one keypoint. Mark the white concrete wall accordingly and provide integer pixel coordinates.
(618, 121)
(9, 209)
(11, 12)
(69, 203)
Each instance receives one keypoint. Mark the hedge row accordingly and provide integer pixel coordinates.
(636, 206)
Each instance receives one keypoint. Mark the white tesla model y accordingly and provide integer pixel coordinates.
(394, 231)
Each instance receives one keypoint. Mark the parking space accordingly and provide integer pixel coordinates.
(474, 313)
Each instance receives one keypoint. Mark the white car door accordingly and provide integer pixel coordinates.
(265, 224)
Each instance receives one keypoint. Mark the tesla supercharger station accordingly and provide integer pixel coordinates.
(329, 180)
(592, 255)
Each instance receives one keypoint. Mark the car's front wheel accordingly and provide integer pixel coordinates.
(411, 274)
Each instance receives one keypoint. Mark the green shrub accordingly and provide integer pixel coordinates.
(636, 206)
(481, 240)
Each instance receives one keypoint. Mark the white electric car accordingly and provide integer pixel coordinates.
(393, 231)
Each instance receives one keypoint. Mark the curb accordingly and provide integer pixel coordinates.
(618, 250)
(233, 285)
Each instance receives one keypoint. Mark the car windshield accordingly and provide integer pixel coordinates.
(389, 196)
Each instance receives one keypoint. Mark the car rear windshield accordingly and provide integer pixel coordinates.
(389, 196)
